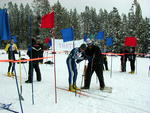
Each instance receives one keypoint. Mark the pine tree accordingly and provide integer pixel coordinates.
(11, 16)
(74, 16)
(62, 18)
(88, 22)
(21, 23)
(85, 16)
(114, 27)
(28, 14)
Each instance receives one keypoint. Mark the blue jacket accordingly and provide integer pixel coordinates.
(76, 54)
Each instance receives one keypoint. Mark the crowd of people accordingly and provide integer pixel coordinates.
(97, 62)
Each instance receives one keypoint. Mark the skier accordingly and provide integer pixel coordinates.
(95, 64)
(33, 52)
(11, 49)
(132, 58)
(75, 56)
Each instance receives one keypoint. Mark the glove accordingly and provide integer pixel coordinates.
(78, 61)
(53, 52)
(16, 52)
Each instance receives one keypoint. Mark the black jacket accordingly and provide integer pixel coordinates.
(93, 54)
(132, 55)
(33, 52)
(126, 54)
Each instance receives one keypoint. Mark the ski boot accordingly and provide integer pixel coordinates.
(71, 88)
(75, 87)
(9, 74)
(12, 74)
(132, 72)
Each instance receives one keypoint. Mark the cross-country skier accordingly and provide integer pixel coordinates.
(75, 56)
(11, 49)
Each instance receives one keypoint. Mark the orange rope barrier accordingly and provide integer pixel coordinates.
(124, 54)
(65, 52)
(14, 61)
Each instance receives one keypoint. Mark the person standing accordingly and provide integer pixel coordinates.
(105, 59)
(41, 51)
(124, 58)
(132, 58)
(33, 52)
(95, 64)
(11, 49)
(75, 56)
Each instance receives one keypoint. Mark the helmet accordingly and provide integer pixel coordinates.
(89, 42)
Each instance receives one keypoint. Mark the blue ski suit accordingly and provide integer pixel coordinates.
(73, 58)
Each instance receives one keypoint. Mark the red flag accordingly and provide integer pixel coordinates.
(130, 41)
(46, 40)
(48, 20)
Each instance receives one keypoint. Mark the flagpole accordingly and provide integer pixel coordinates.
(30, 38)
(111, 67)
(149, 72)
(54, 52)
(48, 22)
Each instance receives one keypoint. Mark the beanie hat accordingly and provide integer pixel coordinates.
(83, 46)
(33, 41)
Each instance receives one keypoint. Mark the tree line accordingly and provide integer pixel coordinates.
(25, 21)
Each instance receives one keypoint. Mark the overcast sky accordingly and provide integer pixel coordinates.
(123, 6)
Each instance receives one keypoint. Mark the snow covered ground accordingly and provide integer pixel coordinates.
(130, 94)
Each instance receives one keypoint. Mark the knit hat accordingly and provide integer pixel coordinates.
(33, 41)
(83, 46)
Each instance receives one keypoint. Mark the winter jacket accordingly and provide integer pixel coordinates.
(124, 57)
(132, 55)
(11, 49)
(93, 54)
(33, 52)
(76, 54)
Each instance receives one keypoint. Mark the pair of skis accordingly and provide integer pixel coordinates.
(88, 94)
(7, 107)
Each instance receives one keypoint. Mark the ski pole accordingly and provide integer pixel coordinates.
(149, 72)
(54, 52)
(20, 74)
(136, 65)
(20, 96)
(25, 69)
(83, 75)
(111, 68)
(13, 68)
(30, 33)
(75, 83)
